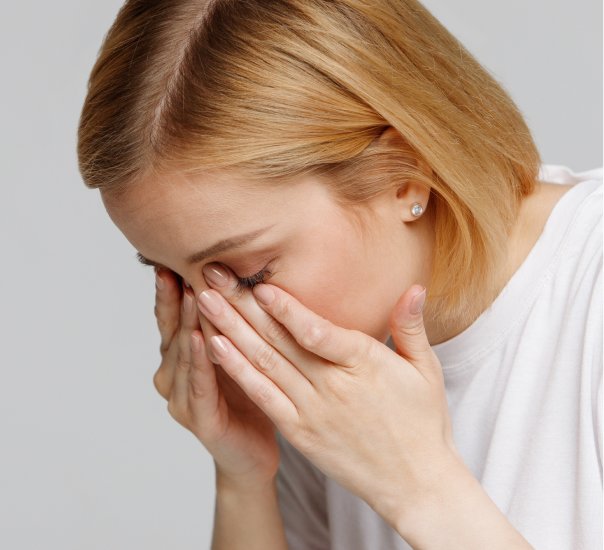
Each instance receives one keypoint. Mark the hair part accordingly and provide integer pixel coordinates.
(279, 89)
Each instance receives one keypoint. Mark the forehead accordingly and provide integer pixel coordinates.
(172, 215)
(174, 196)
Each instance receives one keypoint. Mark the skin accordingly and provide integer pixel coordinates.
(314, 250)
(321, 265)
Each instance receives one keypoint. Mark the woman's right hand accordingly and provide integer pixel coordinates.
(203, 398)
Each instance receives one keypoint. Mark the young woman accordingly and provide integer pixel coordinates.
(419, 363)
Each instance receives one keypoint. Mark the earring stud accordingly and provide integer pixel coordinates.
(417, 209)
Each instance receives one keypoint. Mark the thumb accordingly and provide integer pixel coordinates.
(407, 326)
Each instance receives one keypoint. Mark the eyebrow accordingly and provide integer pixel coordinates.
(221, 246)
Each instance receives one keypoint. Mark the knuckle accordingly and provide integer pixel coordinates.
(414, 328)
(164, 346)
(183, 356)
(306, 438)
(163, 324)
(159, 382)
(369, 353)
(265, 358)
(183, 363)
(263, 394)
(283, 309)
(184, 342)
(341, 387)
(334, 382)
(364, 354)
(314, 336)
(276, 332)
(229, 323)
(197, 390)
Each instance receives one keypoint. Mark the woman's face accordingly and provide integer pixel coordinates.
(312, 247)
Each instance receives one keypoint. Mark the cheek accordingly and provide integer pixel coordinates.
(338, 291)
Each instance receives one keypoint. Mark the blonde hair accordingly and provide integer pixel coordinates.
(277, 89)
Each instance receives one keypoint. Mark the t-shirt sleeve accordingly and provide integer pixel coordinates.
(302, 500)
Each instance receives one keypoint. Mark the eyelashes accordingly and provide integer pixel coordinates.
(242, 282)
(253, 280)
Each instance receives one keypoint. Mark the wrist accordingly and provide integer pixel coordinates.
(430, 504)
(454, 511)
(399, 502)
(247, 515)
(244, 485)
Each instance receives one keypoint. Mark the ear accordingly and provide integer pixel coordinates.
(412, 190)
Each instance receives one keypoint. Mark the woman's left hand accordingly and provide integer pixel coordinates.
(374, 420)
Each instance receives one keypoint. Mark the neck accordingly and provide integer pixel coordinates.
(532, 216)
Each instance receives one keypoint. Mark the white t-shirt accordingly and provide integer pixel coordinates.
(524, 389)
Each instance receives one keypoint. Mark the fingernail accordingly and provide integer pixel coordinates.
(264, 294)
(417, 303)
(218, 346)
(209, 303)
(211, 356)
(216, 276)
(159, 282)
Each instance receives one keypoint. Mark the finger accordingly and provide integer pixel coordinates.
(208, 331)
(260, 389)
(270, 330)
(409, 334)
(189, 322)
(168, 285)
(408, 330)
(164, 375)
(348, 348)
(258, 352)
(203, 386)
(167, 306)
(163, 379)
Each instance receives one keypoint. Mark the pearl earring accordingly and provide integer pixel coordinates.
(417, 209)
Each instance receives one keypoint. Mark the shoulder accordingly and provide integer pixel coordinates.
(561, 220)
(579, 262)
(583, 238)
(584, 189)
(575, 201)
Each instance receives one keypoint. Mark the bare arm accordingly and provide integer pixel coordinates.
(456, 512)
(247, 518)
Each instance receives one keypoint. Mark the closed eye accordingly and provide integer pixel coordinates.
(253, 280)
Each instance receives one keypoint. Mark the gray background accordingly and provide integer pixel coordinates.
(89, 456)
